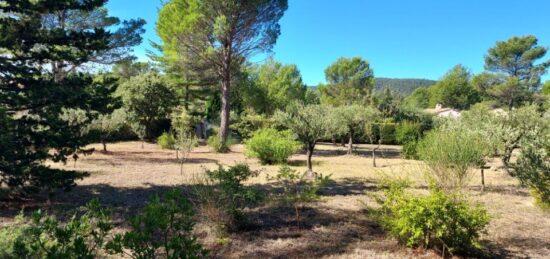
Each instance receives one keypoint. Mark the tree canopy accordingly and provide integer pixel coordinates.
(349, 81)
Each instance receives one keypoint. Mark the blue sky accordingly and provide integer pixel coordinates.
(400, 38)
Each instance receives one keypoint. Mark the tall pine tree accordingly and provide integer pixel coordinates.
(33, 100)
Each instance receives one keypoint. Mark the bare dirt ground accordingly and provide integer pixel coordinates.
(336, 227)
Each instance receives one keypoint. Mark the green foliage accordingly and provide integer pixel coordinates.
(307, 122)
(519, 57)
(350, 81)
(533, 170)
(166, 141)
(163, 229)
(408, 134)
(10, 234)
(34, 94)
(454, 90)
(451, 154)
(351, 119)
(213, 35)
(272, 146)
(147, 99)
(420, 98)
(296, 190)
(182, 121)
(250, 122)
(440, 220)
(217, 146)
(401, 87)
(278, 86)
(221, 195)
(83, 236)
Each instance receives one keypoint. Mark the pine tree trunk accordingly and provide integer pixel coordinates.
(350, 145)
(226, 91)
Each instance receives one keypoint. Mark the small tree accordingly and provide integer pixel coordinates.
(107, 125)
(353, 118)
(308, 123)
(370, 131)
(147, 99)
(451, 154)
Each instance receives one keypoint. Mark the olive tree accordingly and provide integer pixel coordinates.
(451, 155)
(309, 124)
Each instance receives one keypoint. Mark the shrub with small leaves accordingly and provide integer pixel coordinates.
(296, 190)
(166, 141)
(161, 230)
(220, 195)
(533, 170)
(84, 236)
(272, 146)
(439, 220)
(215, 144)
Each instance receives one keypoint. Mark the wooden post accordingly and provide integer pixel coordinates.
(483, 177)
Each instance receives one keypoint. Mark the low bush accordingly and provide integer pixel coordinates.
(249, 122)
(452, 154)
(408, 134)
(439, 220)
(161, 230)
(533, 170)
(220, 196)
(83, 236)
(296, 190)
(166, 141)
(215, 144)
(272, 146)
(162, 226)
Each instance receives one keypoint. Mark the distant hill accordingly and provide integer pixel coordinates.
(403, 87)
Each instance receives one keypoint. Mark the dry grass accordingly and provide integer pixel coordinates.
(338, 227)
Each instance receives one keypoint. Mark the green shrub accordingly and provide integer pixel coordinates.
(407, 132)
(452, 154)
(249, 122)
(409, 150)
(84, 236)
(166, 141)
(220, 196)
(160, 230)
(272, 146)
(161, 227)
(533, 170)
(296, 190)
(387, 133)
(439, 220)
(215, 144)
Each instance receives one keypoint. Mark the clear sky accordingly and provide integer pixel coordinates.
(400, 38)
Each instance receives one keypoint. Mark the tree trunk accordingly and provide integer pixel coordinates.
(333, 141)
(104, 143)
(374, 153)
(224, 123)
(482, 180)
(343, 141)
(350, 145)
(310, 174)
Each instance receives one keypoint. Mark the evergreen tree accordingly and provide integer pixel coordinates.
(33, 99)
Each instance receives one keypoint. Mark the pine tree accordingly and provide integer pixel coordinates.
(33, 99)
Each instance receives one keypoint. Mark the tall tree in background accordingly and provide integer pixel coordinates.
(518, 59)
(279, 84)
(454, 89)
(33, 98)
(220, 34)
(119, 44)
(350, 81)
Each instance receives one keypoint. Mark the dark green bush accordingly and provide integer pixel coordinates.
(248, 123)
(439, 220)
(272, 146)
(84, 236)
(161, 230)
(220, 196)
(166, 141)
(408, 134)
